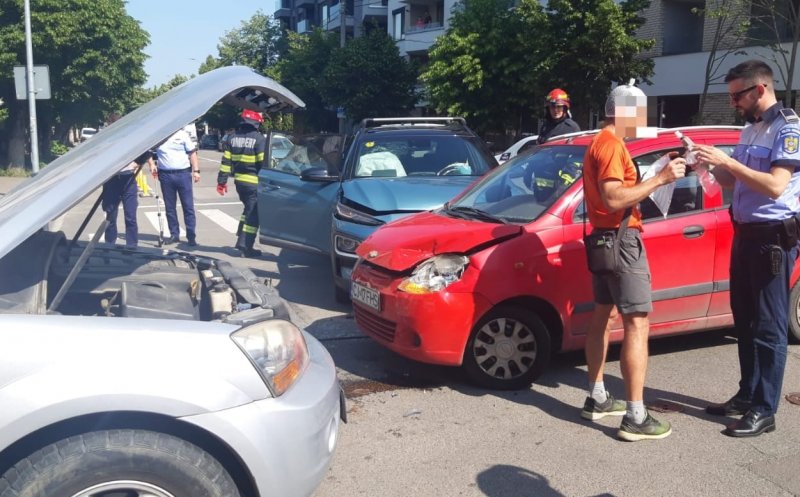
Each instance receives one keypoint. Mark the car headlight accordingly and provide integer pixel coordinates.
(277, 349)
(352, 215)
(345, 244)
(435, 274)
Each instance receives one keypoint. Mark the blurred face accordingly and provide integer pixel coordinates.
(630, 113)
(744, 97)
(557, 110)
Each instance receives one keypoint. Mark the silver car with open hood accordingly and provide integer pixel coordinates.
(151, 372)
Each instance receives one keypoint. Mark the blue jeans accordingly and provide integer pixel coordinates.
(121, 187)
(760, 305)
(174, 185)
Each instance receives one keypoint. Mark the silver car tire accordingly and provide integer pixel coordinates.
(508, 349)
(127, 462)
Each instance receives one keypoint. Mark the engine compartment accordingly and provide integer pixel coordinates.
(119, 282)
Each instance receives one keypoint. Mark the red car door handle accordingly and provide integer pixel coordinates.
(693, 231)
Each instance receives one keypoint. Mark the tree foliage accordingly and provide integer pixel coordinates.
(257, 43)
(302, 70)
(774, 23)
(95, 54)
(369, 78)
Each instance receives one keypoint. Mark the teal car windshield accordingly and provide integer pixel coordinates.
(522, 189)
(402, 155)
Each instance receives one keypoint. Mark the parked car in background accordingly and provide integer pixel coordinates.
(517, 148)
(496, 280)
(87, 133)
(223, 141)
(394, 167)
(150, 372)
(280, 146)
(209, 142)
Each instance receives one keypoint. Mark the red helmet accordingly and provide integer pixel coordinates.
(252, 116)
(558, 96)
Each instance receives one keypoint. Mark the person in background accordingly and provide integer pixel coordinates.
(612, 193)
(557, 119)
(243, 156)
(177, 168)
(764, 172)
(122, 188)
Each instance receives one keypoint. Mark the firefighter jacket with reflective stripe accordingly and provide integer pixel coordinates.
(242, 156)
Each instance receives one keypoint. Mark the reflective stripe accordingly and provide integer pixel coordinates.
(246, 178)
(245, 158)
(242, 218)
(260, 157)
(225, 169)
(226, 155)
(249, 229)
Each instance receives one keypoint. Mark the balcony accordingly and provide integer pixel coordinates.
(333, 23)
(419, 38)
(304, 26)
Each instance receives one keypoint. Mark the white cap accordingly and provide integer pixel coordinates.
(625, 96)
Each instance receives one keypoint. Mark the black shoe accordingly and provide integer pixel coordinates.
(192, 243)
(732, 407)
(171, 240)
(752, 424)
(250, 252)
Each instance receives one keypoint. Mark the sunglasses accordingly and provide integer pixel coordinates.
(737, 95)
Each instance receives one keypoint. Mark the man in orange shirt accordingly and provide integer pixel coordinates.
(611, 186)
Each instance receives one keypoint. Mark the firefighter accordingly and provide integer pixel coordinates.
(242, 156)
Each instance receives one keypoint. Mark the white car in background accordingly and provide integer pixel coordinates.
(147, 372)
(516, 148)
(87, 133)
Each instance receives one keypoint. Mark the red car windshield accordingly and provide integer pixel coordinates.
(522, 189)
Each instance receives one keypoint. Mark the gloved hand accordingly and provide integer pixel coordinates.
(222, 188)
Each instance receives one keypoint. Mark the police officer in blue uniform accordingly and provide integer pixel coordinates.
(242, 157)
(177, 168)
(122, 188)
(764, 172)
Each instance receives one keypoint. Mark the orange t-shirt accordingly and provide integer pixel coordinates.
(607, 158)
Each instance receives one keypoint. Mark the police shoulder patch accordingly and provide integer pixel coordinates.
(791, 142)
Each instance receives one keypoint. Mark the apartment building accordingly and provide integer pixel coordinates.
(681, 52)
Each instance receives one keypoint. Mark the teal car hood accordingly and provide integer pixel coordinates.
(407, 194)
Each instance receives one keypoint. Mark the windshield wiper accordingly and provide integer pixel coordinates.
(475, 213)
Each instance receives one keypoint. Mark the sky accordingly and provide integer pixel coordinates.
(184, 32)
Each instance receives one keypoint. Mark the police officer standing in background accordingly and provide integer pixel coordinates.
(242, 155)
(177, 168)
(764, 173)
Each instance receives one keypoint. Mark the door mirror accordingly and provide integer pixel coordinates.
(318, 174)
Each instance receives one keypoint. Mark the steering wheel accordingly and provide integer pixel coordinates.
(450, 169)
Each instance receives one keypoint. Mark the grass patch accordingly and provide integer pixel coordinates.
(15, 172)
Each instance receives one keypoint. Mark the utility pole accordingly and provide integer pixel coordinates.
(342, 33)
(31, 90)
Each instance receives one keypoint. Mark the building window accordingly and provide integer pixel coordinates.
(766, 25)
(683, 29)
(398, 23)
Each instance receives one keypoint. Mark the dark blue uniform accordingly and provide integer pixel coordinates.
(763, 256)
(122, 187)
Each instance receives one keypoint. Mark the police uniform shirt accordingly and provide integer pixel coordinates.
(173, 153)
(772, 141)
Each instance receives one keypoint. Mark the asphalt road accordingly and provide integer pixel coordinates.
(419, 430)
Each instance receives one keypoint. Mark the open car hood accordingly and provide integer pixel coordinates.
(78, 173)
(405, 243)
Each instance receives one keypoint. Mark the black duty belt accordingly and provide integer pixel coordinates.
(764, 230)
(174, 171)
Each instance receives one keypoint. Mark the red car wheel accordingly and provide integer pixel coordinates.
(794, 314)
(508, 349)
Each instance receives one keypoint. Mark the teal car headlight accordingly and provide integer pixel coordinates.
(349, 214)
(435, 274)
(278, 350)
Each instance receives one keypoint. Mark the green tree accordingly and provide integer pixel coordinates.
(302, 70)
(591, 45)
(257, 43)
(95, 53)
(487, 67)
(776, 23)
(369, 78)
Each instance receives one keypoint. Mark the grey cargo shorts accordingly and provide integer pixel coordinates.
(629, 289)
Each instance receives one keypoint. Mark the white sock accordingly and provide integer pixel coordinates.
(636, 411)
(598, 392)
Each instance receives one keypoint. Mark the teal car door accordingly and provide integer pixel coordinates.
(297, 191)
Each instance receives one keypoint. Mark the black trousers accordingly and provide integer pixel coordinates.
(248, 222)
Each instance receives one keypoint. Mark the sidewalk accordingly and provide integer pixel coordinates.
(9, 182)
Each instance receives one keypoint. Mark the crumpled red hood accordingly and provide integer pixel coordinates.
(404, 243)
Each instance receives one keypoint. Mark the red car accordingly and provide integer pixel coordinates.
(496, 280)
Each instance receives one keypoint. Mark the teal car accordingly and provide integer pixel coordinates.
(321, 200)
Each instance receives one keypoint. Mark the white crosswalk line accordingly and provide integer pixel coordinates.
(227, 222)
(153, 218)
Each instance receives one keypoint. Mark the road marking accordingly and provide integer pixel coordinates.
(204, 204)
(153, 218)
(227, 223)
(210, 160)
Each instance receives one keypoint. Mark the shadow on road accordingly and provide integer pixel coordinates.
(512, 481)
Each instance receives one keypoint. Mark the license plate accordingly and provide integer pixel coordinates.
(365, 295)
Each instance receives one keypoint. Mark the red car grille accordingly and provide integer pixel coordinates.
(374, 325)
(376, 277)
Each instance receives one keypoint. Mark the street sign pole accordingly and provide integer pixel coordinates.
(31, 90)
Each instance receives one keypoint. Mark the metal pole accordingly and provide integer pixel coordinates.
(31, 90)
(342, 30)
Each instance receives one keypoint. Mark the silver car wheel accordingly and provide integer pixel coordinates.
(505, 348)
(124, 487)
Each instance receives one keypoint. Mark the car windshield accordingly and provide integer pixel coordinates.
(522, 189)
(397, 156)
